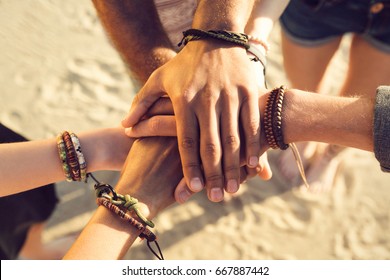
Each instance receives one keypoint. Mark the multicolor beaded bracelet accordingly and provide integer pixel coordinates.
(62, 153)
(72, 158)
(80, 157)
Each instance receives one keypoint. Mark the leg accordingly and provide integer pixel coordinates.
(368, 68)
(305, 68)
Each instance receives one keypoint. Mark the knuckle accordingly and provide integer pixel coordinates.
(253, 141)
(231, 142)
(188, 143)
(211, 150)
(214, 178)
(253, 126)
(154, 125)
(232, 169)
(146, 103)
(191, 165)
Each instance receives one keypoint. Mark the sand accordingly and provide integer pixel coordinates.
(59, 71)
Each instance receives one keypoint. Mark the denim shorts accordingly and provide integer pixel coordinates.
(315, 22)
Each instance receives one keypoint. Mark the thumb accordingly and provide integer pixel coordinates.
(144, 99)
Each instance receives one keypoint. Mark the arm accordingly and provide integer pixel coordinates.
(307, 116)
(335, 120)
(27, 165)
(346, 121)
(136, 31)
(264, 15)
(148, 175)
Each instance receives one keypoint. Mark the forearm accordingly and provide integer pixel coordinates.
(335, 120)
(136, 31)
(150, 174)
(28, 165)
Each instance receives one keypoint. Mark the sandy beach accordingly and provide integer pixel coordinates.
(59, 71)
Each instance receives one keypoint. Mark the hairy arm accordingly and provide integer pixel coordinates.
(345, 121)
(137, 33)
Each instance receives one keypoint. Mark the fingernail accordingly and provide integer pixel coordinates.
(253, 161)
(216, 194)
(196, 184)
(232, 186)
(184, 196)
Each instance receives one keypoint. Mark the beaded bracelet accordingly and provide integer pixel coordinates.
(62, 153)
(273, 127)
(107, 197)
(240, 39)
(80, 157)
(71, 156)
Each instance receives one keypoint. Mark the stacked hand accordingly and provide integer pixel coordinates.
(214, 90)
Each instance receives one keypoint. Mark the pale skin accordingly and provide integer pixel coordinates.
(38, 161)
(306, 68)
(199, 101)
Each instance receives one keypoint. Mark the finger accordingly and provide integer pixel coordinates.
(250, 119)
(163, 106)
(182, 192)
(211, 154)
(145, 98)
(154, 126)
(265, 171)
(230, 145)
(188, 142)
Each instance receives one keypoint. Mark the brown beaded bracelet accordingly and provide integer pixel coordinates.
(123, 214)
(273, 127)
(277, 119)
(273, 119)
(269, 134)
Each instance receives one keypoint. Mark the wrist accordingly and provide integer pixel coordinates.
(293, 127)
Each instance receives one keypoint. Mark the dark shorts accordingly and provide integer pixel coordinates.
(315, 22)
(20, 211)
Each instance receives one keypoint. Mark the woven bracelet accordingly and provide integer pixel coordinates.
(107, 197)
(236, 38)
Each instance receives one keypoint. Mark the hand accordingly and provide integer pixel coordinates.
(151, 172)
(160, 121)
(213, 89)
